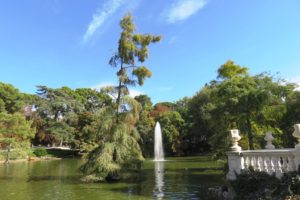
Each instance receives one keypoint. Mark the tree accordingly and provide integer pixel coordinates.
(15, 133)
(162, 107)
(61, 132)
(230, 70)
(11, 100)
(253, 104)
(172, 128)
(207, 123)
(85, 137)
(58, 109)
(92, 100)
(132, 48)
(145, 125)
(118, 152)
(145, 101)
(291, 117)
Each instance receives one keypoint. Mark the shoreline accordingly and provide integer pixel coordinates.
(30, 159)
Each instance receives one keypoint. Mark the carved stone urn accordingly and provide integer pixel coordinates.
(269, 138)
(296, 134)
(235, 137)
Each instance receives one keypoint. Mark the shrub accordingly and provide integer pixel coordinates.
(39, 152)
(252, 184)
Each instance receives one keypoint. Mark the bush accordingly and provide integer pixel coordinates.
(15, 154)
(63, 153)
(39, 152)
(251, 185)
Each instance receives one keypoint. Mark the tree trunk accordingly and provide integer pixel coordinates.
(119, 94)
(250, 135)
(7, 155)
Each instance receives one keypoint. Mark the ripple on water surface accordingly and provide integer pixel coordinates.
(182, 178)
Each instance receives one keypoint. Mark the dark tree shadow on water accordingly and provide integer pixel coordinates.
(65, 179)
(6, 178)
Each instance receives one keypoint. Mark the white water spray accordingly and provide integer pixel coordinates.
(158, 147)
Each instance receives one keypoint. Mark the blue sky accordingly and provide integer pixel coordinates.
(68, 43)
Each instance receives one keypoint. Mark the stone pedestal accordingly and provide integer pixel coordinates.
(269, 138)
(235, 137)
(234, 158)
(234, 165)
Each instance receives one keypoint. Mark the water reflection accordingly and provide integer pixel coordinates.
(49, 180)
(159, 180)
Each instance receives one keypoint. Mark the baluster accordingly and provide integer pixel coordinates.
(247, 162)
(284, 166)
(277, 167)
(291, 165)
(253, 162)
(272, 165)
(268, 166)
(242, 162)
(259, 161)
(264, 164)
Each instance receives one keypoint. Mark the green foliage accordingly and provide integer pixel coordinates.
(92, 99)
(39, 152)
(291, 117)
(230, 70)
(172, 128)
(14, 130)
(117, 150)
(15, 134)
(141, 73)
(253, 104)
(260, 185)
(86, 119)
(57, 103)
(11, 100)
(85, 136)
(132, 48)
(145, 102)
(145, 125)
(64, 115)
(61, 132)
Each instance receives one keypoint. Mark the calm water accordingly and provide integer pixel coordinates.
(180, 178)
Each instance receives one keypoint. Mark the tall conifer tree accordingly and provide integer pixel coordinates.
(118, 152)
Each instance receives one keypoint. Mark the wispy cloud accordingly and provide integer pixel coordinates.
(183, 9)
(102, 14)
(54, 6)
(101, 85)
(295, 80)
(132, 92)
(173, 40)
(165, 89)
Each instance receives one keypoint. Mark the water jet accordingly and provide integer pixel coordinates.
(158, 146)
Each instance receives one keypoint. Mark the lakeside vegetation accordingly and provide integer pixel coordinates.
(115, 131)
(252, 103)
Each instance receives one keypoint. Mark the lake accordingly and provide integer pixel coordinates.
(176, 178)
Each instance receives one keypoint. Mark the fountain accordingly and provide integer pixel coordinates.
(158, 191)
(158, 147)
(159, 164)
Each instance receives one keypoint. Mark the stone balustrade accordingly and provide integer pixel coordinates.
(270, 160)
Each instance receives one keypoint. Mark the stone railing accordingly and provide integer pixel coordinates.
(270, 160)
